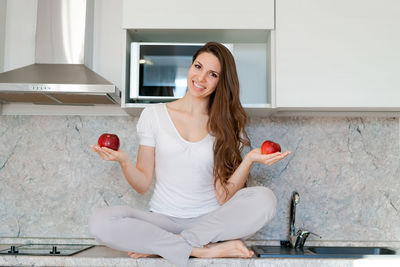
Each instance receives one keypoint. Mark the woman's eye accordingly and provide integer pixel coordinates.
(197, 66)
(214, 75)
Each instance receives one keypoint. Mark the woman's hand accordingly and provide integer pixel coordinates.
(111, 155)
(255, 155)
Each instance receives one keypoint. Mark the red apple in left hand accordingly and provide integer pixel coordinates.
(269, 147)
(109, 140)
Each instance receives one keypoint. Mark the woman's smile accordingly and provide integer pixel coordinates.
(198, 86)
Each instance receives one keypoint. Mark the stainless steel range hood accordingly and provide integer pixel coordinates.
(63, 46)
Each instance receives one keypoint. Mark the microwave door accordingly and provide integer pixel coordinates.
(164, 76)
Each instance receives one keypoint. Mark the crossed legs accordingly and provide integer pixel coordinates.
(142, 233)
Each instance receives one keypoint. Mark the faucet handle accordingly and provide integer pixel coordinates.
(302, 232)
(302, 237)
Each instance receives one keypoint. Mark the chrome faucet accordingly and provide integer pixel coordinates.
(298, 239)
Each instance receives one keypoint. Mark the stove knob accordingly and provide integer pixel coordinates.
(12, 250)
(54, 251)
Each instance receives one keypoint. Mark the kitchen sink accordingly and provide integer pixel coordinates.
(351, 250)
(319, 252)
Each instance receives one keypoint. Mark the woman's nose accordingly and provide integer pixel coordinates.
(202, 76)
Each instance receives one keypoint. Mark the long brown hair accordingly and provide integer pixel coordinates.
(227, 118)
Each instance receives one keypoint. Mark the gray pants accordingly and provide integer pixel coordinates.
(128, 229)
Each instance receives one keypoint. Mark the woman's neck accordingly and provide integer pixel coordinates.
(193, 105)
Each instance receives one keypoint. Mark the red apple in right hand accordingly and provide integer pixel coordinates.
(269, 147)
(109, 140)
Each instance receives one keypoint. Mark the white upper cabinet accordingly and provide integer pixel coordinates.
(205, 14)
(338, 54)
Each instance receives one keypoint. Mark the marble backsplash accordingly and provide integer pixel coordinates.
(346, 171)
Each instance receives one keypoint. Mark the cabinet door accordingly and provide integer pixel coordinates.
(205, 14)
(338, 54)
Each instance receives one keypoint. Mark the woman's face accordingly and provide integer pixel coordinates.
(203, 75)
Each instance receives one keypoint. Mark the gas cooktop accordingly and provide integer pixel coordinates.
(45, 249)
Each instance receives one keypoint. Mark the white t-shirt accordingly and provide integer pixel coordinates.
(184, 170)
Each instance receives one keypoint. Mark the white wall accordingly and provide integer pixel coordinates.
(19, 45)
(3, 6)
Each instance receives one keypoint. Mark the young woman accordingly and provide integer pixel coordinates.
(194, 146)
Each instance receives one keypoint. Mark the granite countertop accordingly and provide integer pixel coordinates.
(104, 256)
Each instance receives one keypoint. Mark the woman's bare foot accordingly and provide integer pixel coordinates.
(136, 255)
(227, 249)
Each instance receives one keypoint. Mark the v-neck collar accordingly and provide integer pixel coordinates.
(176, 130)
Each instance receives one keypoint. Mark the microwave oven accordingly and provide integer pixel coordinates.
(158, 71)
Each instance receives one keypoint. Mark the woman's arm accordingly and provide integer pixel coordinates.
(140, 176)
(239, 177)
